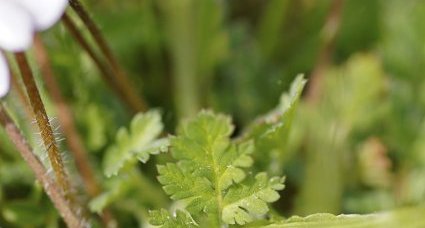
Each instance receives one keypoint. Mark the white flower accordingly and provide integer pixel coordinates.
(19, 20)
(4, 76)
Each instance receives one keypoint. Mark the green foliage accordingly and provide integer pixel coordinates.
(271, 132)
(20, 212)
(164, 219)
(133, 145)
(271, 25)
(101, 201)
(358, 150)
(210, 174)
(137, 142)
(251, 199)
(405, 217)
(352, 90)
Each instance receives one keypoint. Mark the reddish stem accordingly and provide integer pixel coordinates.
(43, 124)
(50, 187)
(329, 32)
(119, 76)
(67, 121)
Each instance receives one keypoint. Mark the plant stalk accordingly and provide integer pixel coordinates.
(50, 187)
(182, 38)
(22, 96)
(43, 124)
(120, 77)
(67, 121)
(103, 68)
(329, 33)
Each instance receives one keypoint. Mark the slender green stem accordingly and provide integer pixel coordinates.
(182, 41)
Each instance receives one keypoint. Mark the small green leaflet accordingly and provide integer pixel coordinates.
(139, 142)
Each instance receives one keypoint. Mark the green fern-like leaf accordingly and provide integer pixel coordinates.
(136, 143)
(164, 219)
(244, 201)
(210, 174)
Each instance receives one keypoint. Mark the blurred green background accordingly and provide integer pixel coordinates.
(358, 148)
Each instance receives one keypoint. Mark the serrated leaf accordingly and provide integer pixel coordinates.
(136, 143)
(163, 219)
(204, 147)
(181, 185)
(156, 147)
(242, 204)
(211, 170)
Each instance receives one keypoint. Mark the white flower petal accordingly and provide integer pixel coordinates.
(16, 28)
(45, 12)
(4, 76)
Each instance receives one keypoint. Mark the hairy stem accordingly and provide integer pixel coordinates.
(43, 124)
(67, 121)
(123, 82)
(50, 187)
